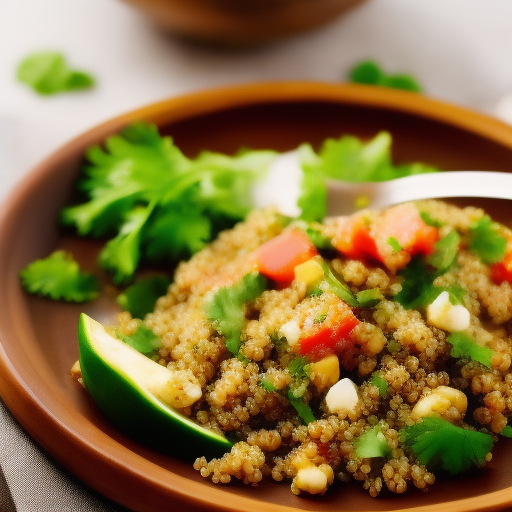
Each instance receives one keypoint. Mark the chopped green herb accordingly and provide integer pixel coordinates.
(369, 298)
(225, 309)
(380, 383)
(395, 244)
(336, 285)
(436, 442)
(59, 277)
(298, 367)
(369, 72)
(186, 201)
(267, 385)
(139, 299)
(320, 319)
(464, 346)
(486, 242)
(445, 251)
(144, 340)
(320, 241)
(372, 444)
(429, 220)
(49, 73)
(507, 431)
(302, 408)
(347, 159)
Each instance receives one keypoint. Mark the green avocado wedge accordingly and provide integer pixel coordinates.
(125, 384)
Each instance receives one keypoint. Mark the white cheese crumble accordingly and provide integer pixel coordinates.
(291, 331)
(342, 397)
(444, 315)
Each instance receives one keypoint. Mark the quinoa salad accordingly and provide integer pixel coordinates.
(374, 347)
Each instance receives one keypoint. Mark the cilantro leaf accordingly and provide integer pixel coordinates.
(436, 442)
(139, 299)
(429, 220)
(225, 308)
(464, 346)
(337, 286)
(380, 383)
(394, 244)
(486, 242)
(445, 251)
(49, 73)
(507, 431)
(347, 159)
(372, 444)
(144, 340)
(369, 298)
(298, 367)
(369, 72)
(187, 200)
(267, 385)
(58, 277)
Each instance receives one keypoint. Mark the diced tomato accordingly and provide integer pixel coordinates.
(329, 336)
(277, 258)
(360, 238)
(353, 238)
(502, 271)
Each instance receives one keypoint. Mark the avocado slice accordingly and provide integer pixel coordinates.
(130, 389)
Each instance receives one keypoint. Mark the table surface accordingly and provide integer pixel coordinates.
(458, 50)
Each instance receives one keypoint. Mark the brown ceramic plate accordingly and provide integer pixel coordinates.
(38, 337)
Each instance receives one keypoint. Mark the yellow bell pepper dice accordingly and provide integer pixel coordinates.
(310, 272)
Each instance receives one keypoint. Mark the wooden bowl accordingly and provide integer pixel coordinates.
(38, 342)
(241, 22)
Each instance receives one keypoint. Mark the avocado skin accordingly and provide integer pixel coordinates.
(141, 416)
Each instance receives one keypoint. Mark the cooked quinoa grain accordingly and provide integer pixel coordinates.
(299, 338)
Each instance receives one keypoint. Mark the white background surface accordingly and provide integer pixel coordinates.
(459, 50)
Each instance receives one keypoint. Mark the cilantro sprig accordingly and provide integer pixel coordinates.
(464, 346)
(144, 340)
(139, 299)
(438, 443)
(59, 277)
(372, 444)
(155, 203)
(486, 242)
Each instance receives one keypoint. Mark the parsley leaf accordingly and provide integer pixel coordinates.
(369, 72)
(59, 277)
(445, 251)
(144, 340)
(225, 309)
(486, 242)
(464, 346)
(139, 299)
(49, 73)
(372, 444)
(436, 442)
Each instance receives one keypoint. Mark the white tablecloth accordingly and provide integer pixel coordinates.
(459, 50)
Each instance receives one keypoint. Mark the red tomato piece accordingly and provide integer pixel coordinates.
(353, 238)
(278, 257)
(502, 271)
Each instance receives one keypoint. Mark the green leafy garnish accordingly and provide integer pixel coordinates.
(380, 383)
(445, 251)
(486, 242)
(139, 299)
(319, 319)
(144, 340)
(438, 443)
(157, 203)
(429, 220)
(507, 431)
(337, 286)
(320, 241)
(49, 73)
(59, 277)
(369, 72)
(298, 367)
(267, 385)
(369, 298)
(394, 244)
(302, 408)
(347, 159)
(372, 444)
(225, 309)
(464, 346)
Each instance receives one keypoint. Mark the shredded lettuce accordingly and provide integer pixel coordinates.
(59, 277)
